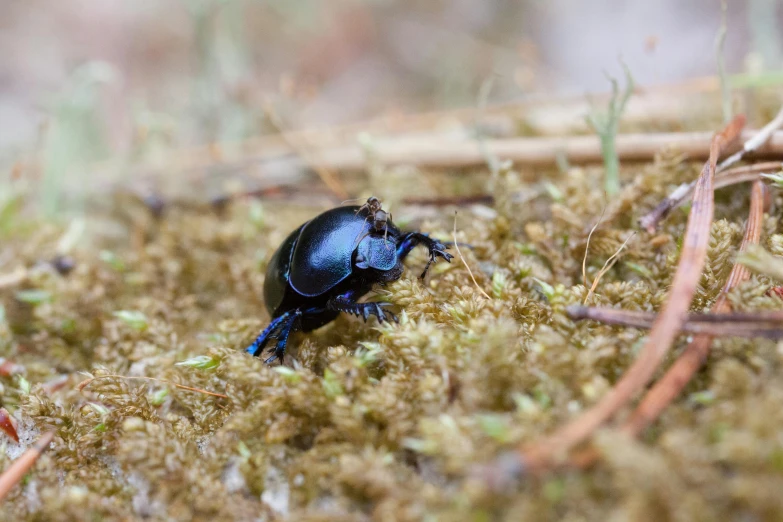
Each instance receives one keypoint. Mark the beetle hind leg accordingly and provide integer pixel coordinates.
(282, 337)
(268, 333)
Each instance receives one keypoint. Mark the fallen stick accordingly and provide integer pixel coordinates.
(717, 323)
(728, 177)
(262, 170)
(445, 153)
(541, 455)
(16, 471)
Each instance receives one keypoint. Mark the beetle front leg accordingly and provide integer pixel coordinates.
(437, 249)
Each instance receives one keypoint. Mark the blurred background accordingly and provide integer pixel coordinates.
(87, 82)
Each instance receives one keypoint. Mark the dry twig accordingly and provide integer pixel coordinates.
(694, 251)
(13, 475)
(718, 322)
(726, 177)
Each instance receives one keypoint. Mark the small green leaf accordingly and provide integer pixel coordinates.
(554, 192)
(495, 426)
(99, 408)
(24, 385)
(133, 318)
(704, 398)
(367, 354)
(543, 399)
(776, 179)
(639, 269)
(419, 445)
(159, 397)
(200, 362)
(498, 284)
(331, 384)
(243, 450)
(546, 289)
(111, 259)
(34, 297)
(529, 249)
(289, 374)
(256, 214)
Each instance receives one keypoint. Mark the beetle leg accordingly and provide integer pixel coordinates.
(269, 332)
(437, 249)
(282, 338)
(344, 303)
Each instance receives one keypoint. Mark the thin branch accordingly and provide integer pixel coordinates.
(439, 152)
(727, 177)
(754, 143)
(694, 252)
(672, 383)
(720, 322)
(16, 471)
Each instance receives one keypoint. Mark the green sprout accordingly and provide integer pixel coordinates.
(134, 319)
(200, 362)
(606, 124)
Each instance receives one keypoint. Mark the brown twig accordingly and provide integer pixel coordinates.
(446, 153)
(718, 323)
(257, 148)
(87, 382)
(694, 251)
(672, 383)
(277, 168)
(13, 475)
(8, 425)
(766, 325)
(727, 177)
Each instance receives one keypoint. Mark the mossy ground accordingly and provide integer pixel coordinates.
(382, 422)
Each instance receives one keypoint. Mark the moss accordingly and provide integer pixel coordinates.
(385, 421)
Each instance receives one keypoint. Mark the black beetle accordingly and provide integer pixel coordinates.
(326, 265)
